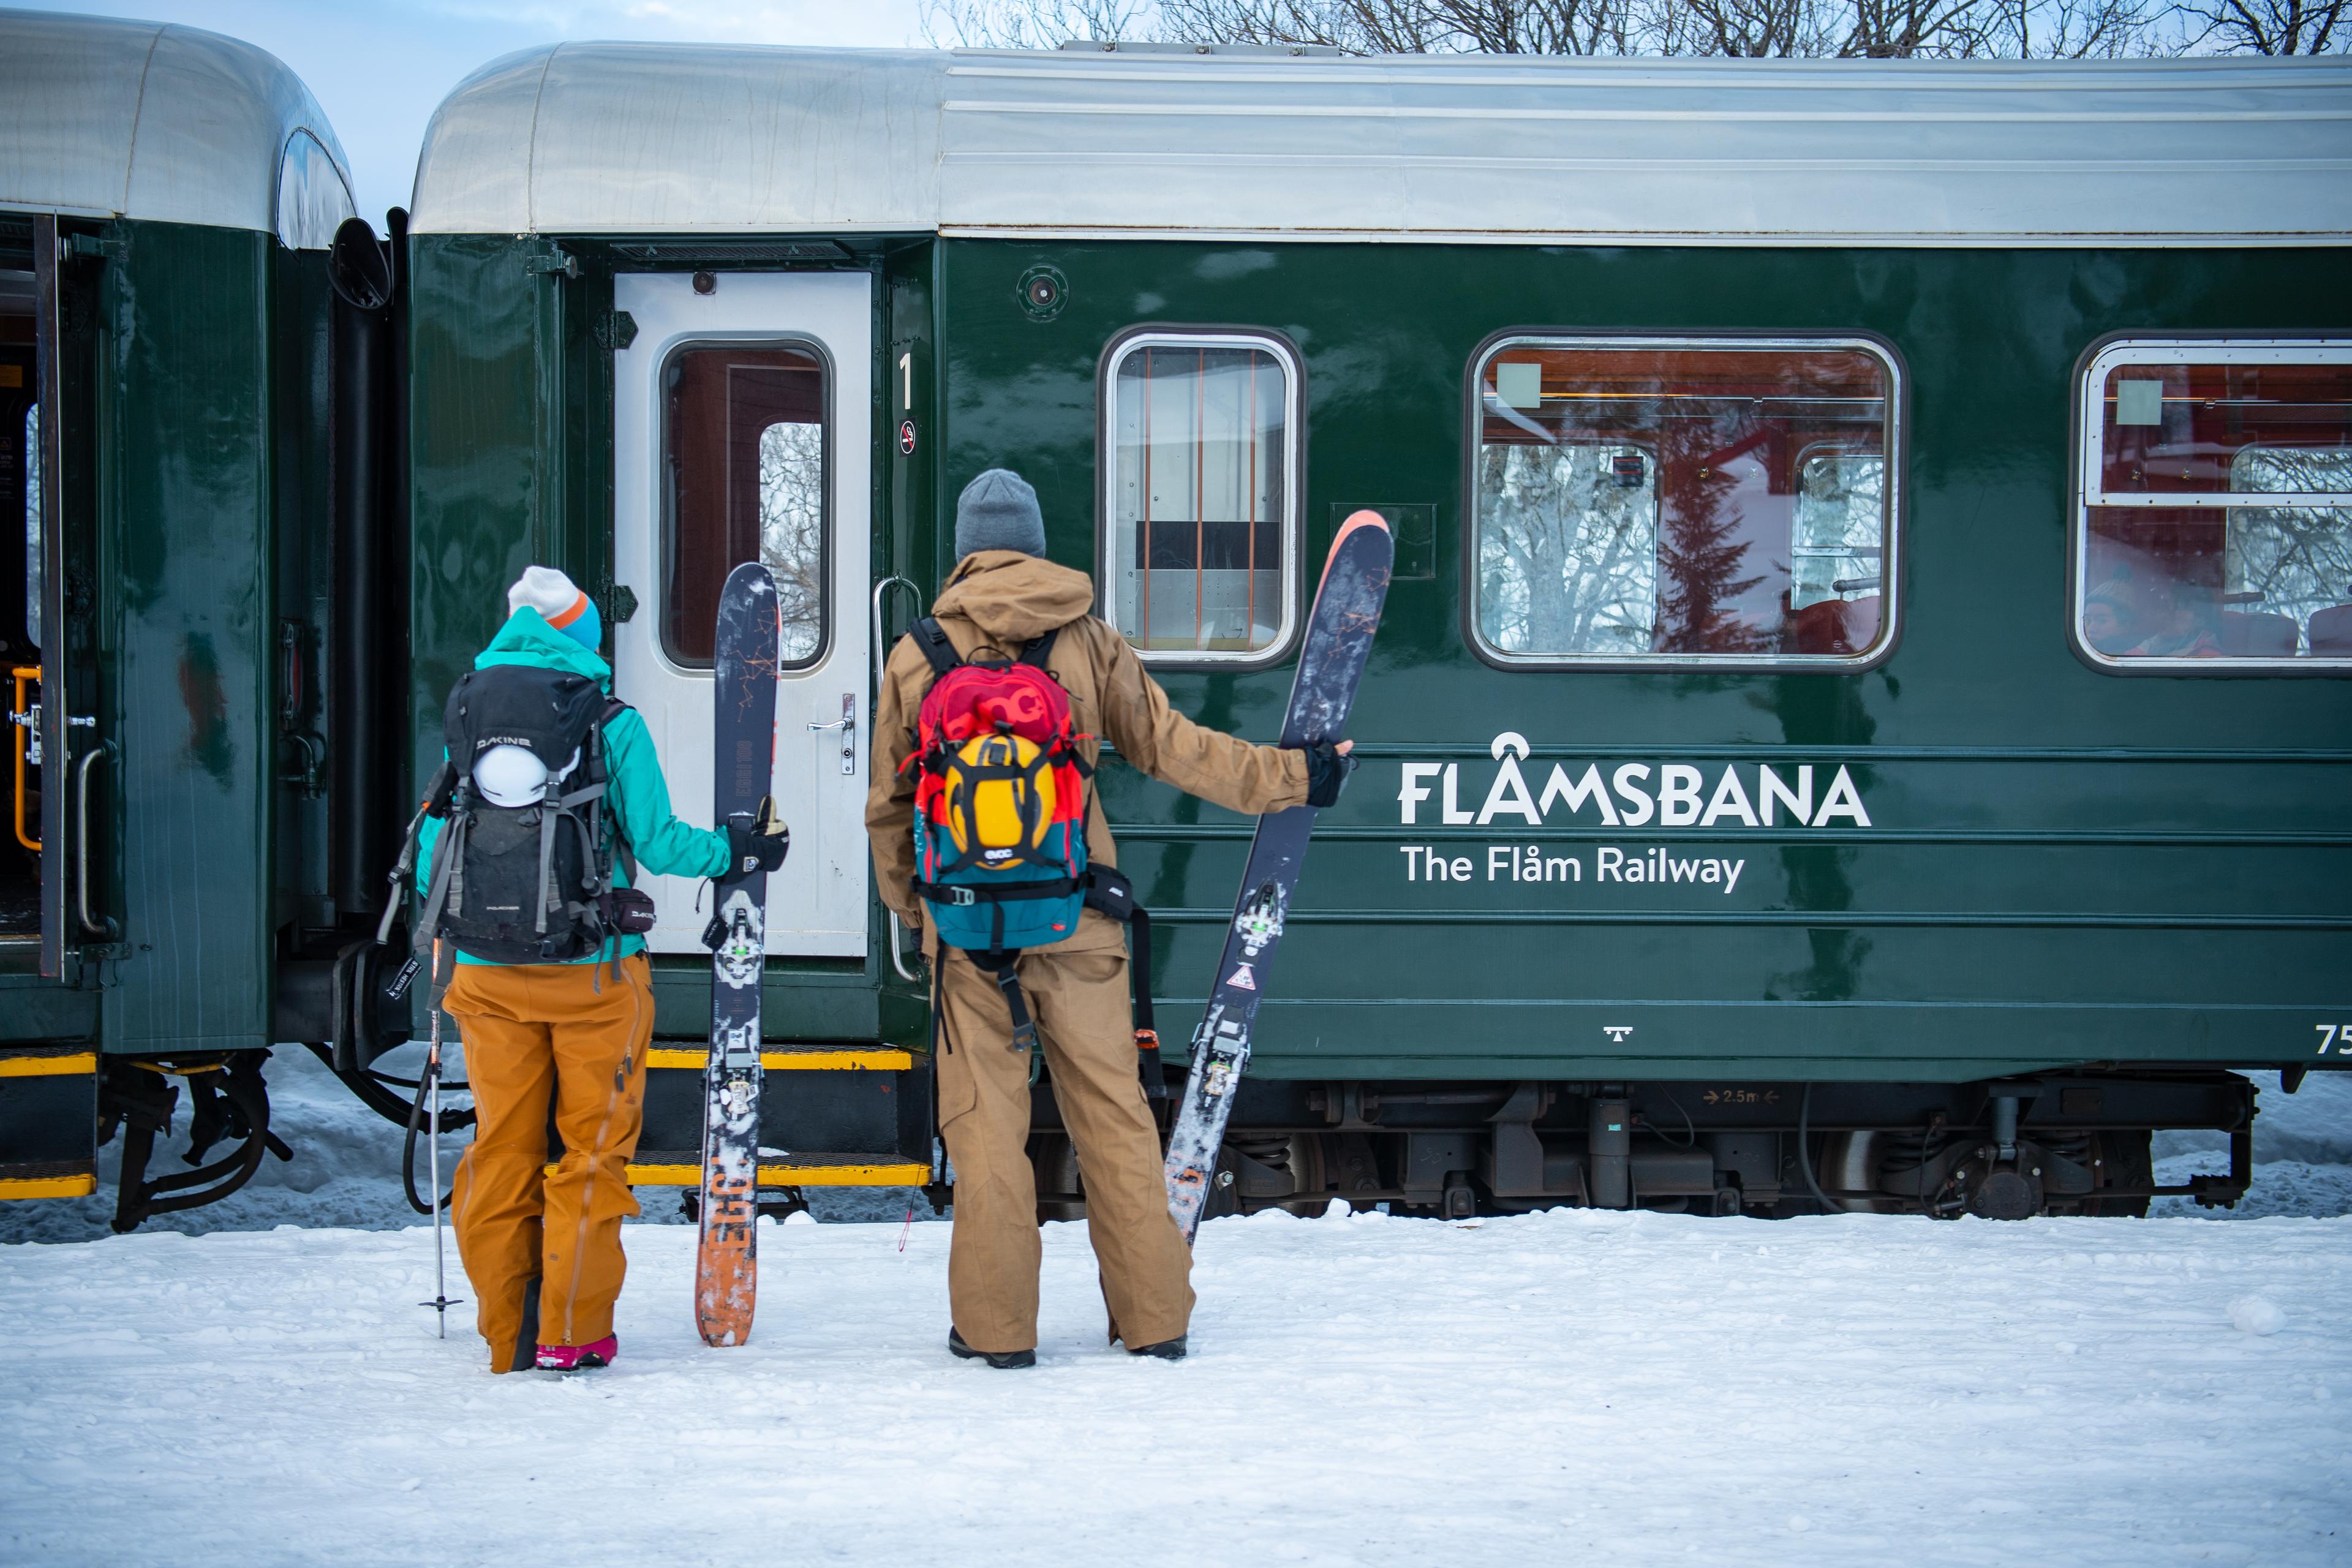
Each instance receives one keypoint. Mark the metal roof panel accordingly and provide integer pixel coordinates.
(106, 117)
(645, 138)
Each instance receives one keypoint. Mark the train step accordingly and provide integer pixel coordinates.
(48, 1122)
(851, 1115)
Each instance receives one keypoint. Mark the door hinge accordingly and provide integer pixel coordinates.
(624, 601)
(544, 256)
(91, 246)
(616, 331)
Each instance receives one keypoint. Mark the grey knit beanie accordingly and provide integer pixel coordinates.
(998, 510)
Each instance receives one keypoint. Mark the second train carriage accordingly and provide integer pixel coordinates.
(1765, 805)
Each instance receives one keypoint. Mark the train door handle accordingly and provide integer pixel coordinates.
(92, 924)
(848, 725)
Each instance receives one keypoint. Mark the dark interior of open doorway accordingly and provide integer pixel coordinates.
(20, 510)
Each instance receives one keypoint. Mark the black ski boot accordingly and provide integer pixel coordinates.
(1002, 1361)
(1166, 1350)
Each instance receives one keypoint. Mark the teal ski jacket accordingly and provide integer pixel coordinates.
(637, 794)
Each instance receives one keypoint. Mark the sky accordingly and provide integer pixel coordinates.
(379, 66)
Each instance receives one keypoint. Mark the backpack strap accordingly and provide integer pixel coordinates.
(932, 638)
(1039, 650)
(613, 709)
(1109, 891)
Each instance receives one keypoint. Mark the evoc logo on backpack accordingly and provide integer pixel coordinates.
(1000, 801)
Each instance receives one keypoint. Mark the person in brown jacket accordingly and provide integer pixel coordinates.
(1002, 596)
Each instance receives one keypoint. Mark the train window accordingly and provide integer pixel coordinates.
(744, 454)
(2216, 523)
(1201, 516)
(1703, 502)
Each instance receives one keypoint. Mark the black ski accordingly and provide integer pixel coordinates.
(743, 733)
(1339, 643)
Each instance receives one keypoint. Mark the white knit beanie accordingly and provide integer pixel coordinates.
(557, 599)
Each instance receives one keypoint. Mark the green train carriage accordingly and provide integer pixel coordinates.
(1742, 776)
(198, 436)
(1857, 715)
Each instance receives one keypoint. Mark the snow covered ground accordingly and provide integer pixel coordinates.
(1551, 1388)
(1574, 1385)
(1558, 1388)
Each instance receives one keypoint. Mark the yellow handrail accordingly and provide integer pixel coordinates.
(23, 743)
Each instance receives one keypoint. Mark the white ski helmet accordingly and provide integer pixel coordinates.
(510, 777)
(513, 775)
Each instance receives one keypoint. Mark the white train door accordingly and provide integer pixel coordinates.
(741, 426)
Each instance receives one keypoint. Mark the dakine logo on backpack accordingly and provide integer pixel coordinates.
(522, 872)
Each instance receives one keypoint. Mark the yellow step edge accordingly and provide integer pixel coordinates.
(47, 1186)
(904, 1175)
(79, 1062)
(791, 1061)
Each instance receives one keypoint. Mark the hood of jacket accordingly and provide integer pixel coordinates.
(527, 638)
(1014, 597)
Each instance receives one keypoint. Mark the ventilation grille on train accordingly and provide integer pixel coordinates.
(736, 251)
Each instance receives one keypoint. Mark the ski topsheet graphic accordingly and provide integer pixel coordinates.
(726, 1265)
(1339, 641)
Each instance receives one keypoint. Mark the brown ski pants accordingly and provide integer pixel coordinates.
(575, 1036)
(1080, 1003)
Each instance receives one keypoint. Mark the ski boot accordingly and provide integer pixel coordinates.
(1166, 1350)
(578, 1358)
(1001, 1359)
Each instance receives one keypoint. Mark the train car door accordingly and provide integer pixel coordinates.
(741, 426)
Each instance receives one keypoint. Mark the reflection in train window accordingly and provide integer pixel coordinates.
(1201, 551)
(744, 459)
(2216, 523)
(1683, 502)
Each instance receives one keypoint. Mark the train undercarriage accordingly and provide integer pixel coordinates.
(2058, 1143)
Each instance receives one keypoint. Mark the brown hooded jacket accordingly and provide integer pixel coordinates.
(998, 601)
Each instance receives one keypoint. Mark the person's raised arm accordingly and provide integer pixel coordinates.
(1222, 769)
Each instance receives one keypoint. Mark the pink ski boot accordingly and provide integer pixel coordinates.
(578, 1358)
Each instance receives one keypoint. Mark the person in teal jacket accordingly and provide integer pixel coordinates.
(543, 1248)
(637, 793)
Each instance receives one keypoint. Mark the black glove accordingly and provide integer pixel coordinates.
(757, 844)
(1327, 772)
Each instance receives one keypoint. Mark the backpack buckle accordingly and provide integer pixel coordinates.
(961, 898)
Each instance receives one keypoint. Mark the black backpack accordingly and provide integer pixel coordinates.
(528, 884)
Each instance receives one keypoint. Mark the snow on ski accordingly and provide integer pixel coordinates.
(1339, 643)
(726, 1265)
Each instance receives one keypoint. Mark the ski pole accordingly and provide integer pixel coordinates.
(441, 1303)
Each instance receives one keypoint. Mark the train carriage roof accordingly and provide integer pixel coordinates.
(596, 138)
(103, 118)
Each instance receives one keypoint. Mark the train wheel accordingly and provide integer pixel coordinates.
(2125, 1160)
(1851, 1163)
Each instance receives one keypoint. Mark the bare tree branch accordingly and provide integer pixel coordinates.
(1923, 29)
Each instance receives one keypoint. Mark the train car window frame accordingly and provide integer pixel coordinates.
(666, 541)
(1291, 529)
(1895, 444)
(2122, 350)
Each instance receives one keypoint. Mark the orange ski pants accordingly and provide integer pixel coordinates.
(573, 1035)
(1079, 1001)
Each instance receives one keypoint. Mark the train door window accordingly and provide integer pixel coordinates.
(743, 443)
(1201, 514)
(2215, 530)
(1699, 502)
